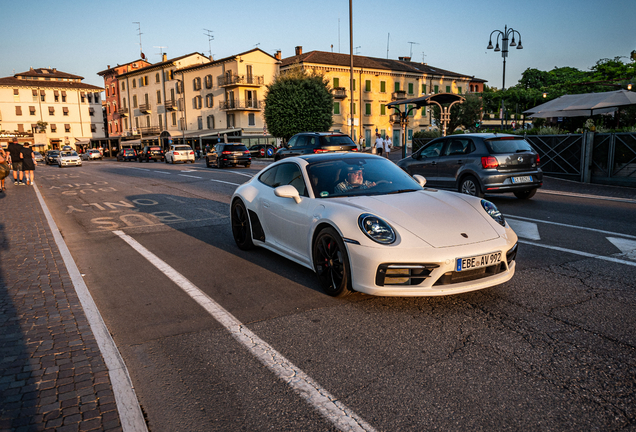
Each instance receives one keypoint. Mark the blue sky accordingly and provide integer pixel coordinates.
(83, 37)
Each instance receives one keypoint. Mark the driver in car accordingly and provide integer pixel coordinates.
(354, 180)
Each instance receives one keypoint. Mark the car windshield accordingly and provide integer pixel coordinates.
(68, 153)
(93, 151)
(54, 152)
(336, 140)
(182, 148)
(503, 146)
(234, 148)
(358, 176)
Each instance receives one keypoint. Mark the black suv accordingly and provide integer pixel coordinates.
(224, 154)
(478, 163)
(316, 142)
(151, 152)
(51, 157)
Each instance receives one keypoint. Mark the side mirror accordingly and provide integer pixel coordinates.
(287, 191)
(416, 156)
(420, 179)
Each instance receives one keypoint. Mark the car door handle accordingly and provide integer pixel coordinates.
(433, 163)
(265, 204)
(460, 162)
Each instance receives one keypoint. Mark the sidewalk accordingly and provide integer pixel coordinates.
(52, 373)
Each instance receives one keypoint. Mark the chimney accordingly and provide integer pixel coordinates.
(277, 55)
(406, 59)
(164, 57)
(108, 67)
(299, 50)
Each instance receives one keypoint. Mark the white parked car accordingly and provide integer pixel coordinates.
(91, 154)
(37, 156)
(363, 224)
(68, 158)
(179, 153)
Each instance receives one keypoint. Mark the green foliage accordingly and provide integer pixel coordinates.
(42, 126)
(298, 101)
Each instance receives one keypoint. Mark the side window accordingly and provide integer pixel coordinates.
(313, 141)
(290, 174)
(292, 141)
(433, 150)
(458, 147)
(301, 141)
(269, 176)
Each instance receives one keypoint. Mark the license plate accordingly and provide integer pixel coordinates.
(478, 261)
(522, 179)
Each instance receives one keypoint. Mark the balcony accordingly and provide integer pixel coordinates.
(171, 105)
(240, 80)
(398, 95)
(339, 93)
(123, 112)
(144, 108)
(242, 105)
(152, 130)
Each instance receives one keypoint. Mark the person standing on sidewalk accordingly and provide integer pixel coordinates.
(379, 144)
(387, 146)
(28, 163)
(4, 168)
(15, 151)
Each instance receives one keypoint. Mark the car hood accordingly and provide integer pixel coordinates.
(441, 219)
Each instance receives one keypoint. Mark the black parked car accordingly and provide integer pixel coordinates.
(126, 155)
(316, 142)
(223, 155)
(478, 163)
(262, 150)
(51, 157)
(151, 152)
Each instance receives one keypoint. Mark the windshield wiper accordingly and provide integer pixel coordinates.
(402, 191)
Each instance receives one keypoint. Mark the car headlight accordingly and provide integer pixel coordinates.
(494, 213)
(376, 229)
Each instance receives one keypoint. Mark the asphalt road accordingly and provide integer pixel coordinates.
(552, 349)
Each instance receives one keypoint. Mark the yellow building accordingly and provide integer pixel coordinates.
(376, 82)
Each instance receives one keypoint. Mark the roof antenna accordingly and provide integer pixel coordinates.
(208, 33)
(143, 56)
(412, 43)
(161, 50)
(388, 37)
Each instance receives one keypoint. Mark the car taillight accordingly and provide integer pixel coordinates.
(538, 160)
(320, 151)
(226, 152)
(489, 162)
(355, 149)
(192, 152)
(176, 153)
(247, 152)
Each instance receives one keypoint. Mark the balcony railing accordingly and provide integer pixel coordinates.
(123, 112)
(242, 105)
(224, 81)
(171, 105)
(398, 95)
(339, 93)
(144, 108)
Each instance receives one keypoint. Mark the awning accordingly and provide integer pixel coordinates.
(82, 142)
(583, 105)
(130, 143)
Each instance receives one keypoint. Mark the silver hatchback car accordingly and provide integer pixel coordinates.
(478, 163)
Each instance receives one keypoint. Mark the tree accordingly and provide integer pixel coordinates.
(298, 101)
(42, 126)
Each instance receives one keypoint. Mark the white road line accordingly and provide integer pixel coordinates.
(570, 226)
(130, 415)
(240, 173)
(578, 195)
(221, 181)
(186, 175)
(141, 169)
(575, 252)
(325, 403)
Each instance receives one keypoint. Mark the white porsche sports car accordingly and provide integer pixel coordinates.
(363, 224)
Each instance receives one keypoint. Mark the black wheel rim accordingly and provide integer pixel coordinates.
(239, 224)
(329, 263)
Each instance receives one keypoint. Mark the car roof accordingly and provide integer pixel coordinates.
(323, 133)
(485, 135)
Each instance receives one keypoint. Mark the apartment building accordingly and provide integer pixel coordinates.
(112, 103)
(50, 108)
(376, 82)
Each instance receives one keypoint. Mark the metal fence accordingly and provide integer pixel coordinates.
(604, 158)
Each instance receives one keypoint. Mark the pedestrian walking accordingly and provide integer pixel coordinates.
(361, 143)
(388, 145)
(28, 163)
(379, 145)
(15, 153)
(4, 168)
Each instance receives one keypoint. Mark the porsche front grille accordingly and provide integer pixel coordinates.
(403, 274)
(470, 275)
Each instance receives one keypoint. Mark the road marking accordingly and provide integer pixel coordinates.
(575, 252)
(578, 195)
(130, 415)
(141, 169)
(186, 175)
(523, 229)
(240, 173)
(627, 247)
(325, 403)
(570, 226)
(221, 181)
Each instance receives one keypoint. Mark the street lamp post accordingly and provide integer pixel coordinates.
(505, 35)
(182, 107)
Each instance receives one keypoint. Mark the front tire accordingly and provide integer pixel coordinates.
(241, 230)
(470, 186)
(527, 194)
(331, 263)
